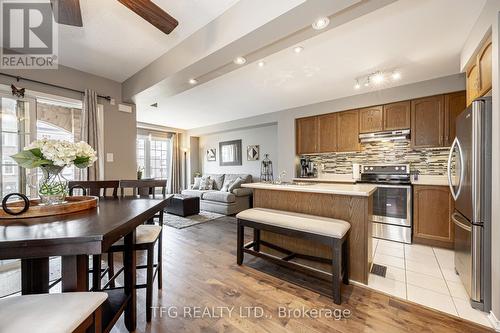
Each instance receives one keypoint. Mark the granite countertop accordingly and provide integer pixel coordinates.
(360, 190)
(430, 180)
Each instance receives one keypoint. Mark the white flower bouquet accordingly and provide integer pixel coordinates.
(52, 156)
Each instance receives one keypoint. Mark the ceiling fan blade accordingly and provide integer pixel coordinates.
(152, 13)
(67, 12)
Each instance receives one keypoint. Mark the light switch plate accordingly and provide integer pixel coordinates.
(110, 157)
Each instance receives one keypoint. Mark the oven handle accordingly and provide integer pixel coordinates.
(455, 217)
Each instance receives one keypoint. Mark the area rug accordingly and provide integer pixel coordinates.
(180, 222)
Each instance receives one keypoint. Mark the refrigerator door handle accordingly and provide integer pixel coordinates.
(455, 217)
(450, 182)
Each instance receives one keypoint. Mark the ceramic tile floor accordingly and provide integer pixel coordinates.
(424, 275)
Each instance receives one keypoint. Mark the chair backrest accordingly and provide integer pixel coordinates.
(144, 187)
(98, 188)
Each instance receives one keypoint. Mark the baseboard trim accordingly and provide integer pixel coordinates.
(494, 321)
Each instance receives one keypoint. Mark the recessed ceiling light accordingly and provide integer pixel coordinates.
(193, 81)
(396, 75)
(261, 63)
(367, 83)
(239, 60)
(298, 49)
(378, 78)
(321, 23)
(357, 85)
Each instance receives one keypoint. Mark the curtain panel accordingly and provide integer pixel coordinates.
(90, 129)
(174, 181)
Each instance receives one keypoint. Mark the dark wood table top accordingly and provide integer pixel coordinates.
(87, 232)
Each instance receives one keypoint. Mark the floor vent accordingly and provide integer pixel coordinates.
(379, 270)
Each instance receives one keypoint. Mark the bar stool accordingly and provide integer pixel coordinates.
(52, 313)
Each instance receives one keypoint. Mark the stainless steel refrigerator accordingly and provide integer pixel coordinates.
(469, 176)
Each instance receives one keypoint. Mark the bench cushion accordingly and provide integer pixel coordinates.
(144, 234)
(48, 313)
(302, 222)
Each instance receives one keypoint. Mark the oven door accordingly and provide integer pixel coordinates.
(392, 205)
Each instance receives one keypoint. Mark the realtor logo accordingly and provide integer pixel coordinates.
(29, 35)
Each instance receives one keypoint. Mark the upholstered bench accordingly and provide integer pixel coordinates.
(52, 313)
(328, 231)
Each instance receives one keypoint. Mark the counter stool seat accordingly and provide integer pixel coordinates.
(145, 233)
(49, 313)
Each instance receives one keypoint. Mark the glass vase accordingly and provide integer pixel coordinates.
(52, 187)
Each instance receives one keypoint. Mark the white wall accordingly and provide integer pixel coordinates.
(286, 159)
(489, 20)
(265, 136)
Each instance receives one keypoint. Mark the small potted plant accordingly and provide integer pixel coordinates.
(52, 156)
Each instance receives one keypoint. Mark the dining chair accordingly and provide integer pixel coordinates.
(147, 236)
(57, 313)
(101, 189)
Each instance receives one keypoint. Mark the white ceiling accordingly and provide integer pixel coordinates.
(116, 43)
(422, 39)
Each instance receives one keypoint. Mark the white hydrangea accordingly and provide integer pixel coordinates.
(64, 153)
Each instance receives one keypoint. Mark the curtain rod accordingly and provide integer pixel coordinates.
(19, 78)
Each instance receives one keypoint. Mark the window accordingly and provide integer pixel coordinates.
(153, 154)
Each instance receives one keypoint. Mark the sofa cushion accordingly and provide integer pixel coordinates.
(219, 196)
(218, 180)
(242, 192)
(197, 182)
(236, 184)
(194, 193)
(229, 178)
(206, 183)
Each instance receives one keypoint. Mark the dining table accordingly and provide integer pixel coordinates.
(74, 237)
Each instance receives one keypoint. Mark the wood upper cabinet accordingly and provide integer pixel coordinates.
(479, 73)
(432, 209)
(370, 119)
(327, 138)
(472, 83)
(348, 131)
(397, 116)
(306, 135)
(427, 122)
(454, 104)
(485, 68)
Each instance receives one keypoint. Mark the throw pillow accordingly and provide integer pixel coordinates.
(197, 182)
(218, 180)
(206, 183)
(227, 182)
(236, 184)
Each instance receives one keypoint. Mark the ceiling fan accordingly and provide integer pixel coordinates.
(69, 13)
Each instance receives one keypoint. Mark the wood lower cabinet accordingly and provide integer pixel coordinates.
(327, 139)
(427, 122)
(454, 104)
(432, 209)
(397, 116)
(348, 131)
(371, 119)
(306, 135)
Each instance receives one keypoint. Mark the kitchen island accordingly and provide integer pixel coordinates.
(348, 202)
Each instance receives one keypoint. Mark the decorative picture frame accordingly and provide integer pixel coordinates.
(230, 153)
(253, 153)
(211, 154)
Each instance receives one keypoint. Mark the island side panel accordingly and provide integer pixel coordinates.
(353, 209)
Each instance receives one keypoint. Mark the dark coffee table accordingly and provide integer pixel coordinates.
(184, 205)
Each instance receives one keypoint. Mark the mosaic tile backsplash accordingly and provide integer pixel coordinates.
(427, 161)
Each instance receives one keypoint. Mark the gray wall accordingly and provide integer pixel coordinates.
(285, 119)
(265, 136)
(119, 127)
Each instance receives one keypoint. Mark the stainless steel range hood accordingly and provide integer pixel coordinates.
(385, 136)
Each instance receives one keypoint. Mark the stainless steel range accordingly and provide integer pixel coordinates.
(392, 201)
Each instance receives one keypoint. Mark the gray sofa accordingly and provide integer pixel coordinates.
(227, 203)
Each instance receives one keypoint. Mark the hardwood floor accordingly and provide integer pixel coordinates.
(200, 271)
